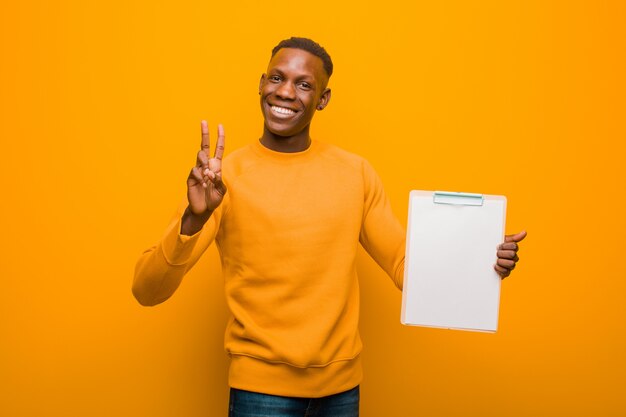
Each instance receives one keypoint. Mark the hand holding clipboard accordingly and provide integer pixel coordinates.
(452, 270)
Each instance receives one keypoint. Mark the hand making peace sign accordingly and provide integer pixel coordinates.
(205, 189)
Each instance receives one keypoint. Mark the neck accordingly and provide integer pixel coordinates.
(287, 144)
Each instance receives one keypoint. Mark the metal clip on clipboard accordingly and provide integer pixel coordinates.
(464, 199)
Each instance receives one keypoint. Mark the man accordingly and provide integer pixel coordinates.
(287, 213)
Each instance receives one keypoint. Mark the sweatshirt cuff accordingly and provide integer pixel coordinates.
(177, 248)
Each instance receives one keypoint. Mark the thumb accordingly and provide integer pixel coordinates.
(218, 183)
(516, 237)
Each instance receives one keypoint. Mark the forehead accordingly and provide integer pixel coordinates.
(297, 62)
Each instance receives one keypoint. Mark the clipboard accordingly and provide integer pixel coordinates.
(449, 280)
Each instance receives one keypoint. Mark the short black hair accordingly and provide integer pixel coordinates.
(308, 45)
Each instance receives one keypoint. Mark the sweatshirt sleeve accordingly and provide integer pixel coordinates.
(161, 268)
(382, 235)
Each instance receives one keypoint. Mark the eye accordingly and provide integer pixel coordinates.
(274, 78)
(306, 86)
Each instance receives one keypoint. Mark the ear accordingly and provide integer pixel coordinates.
(261, 82)
(324, 99)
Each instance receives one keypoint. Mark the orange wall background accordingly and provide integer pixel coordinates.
(100, 104)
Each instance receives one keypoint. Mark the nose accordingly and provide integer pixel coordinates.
(286, 91)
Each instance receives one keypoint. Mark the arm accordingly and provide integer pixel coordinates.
(161, 268)
(381, 235)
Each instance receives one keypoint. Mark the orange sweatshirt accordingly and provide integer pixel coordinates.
(287, 231)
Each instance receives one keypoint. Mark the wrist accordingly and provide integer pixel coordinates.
(203, 215)
(192, 223)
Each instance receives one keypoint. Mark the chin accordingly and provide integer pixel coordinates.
(282, 128)
(281, 131)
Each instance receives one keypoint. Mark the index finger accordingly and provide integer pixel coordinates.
(221, 140)
(508, 246)
(205, 144)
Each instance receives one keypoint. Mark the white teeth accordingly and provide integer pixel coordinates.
(282, 110)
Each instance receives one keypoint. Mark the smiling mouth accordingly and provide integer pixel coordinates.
(283, 111)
